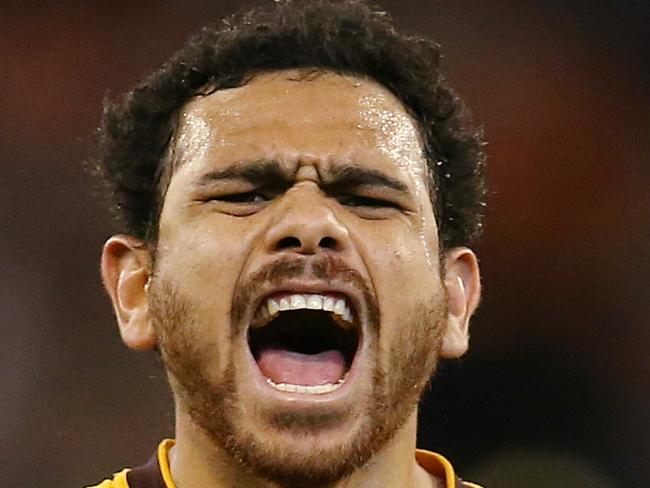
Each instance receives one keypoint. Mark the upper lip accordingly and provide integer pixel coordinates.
(352, 294)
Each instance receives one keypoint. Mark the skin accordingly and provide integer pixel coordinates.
(218, 231)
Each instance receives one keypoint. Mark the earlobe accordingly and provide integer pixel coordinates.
(125, 272)
(462, 282)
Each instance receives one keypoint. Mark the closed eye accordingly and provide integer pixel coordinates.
(245, 197)
(363, 201)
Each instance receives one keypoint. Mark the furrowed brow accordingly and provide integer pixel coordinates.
(351, 176)
(256, 172)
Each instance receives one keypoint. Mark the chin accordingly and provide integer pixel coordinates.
(290, 438)
(294, 458)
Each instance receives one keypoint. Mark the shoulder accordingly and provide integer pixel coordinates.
(154, 474)
(117, 481)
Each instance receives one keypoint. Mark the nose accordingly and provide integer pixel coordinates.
(305, 224)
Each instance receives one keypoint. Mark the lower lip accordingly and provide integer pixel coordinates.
(260, 382)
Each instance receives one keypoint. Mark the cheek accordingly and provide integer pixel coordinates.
(203, 263)
(400, 256)
(403, 274)
(207, 254)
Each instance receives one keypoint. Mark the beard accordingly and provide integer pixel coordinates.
(214, 404)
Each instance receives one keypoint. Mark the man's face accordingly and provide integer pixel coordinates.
(297, 290)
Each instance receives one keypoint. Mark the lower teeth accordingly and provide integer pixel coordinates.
(310, 390)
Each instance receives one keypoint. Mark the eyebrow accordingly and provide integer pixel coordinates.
(270, 173)
(256, 172)
(351, 176)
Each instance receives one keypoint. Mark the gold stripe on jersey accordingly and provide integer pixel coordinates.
(163, 461)
(432, 462)
(118, 481)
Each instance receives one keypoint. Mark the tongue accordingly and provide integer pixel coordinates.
(282, 366)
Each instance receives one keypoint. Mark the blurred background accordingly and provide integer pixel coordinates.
(555, 390)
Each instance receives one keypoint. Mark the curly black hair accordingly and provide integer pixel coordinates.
(346, 36)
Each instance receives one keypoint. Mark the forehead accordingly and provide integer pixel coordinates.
(300, 114)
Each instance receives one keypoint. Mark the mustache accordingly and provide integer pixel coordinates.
(326, 268)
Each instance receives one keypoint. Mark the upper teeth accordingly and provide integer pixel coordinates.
(311, 302)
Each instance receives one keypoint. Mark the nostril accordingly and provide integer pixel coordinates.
(327, 243)
(289, 242)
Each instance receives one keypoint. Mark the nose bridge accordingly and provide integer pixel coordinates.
(305, 223)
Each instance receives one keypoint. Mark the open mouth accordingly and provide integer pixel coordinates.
(305, 343)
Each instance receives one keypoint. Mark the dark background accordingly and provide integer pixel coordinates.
(555, 389)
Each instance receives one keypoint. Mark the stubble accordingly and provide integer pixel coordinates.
(214, 404)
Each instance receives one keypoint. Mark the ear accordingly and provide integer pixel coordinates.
(463, 285)
(125, 272)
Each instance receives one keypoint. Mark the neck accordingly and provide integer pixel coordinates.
(196, 462)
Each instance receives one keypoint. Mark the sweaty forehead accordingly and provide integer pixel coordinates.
(321, 114)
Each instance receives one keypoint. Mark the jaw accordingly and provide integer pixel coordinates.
(281, 435)
(305, 445)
